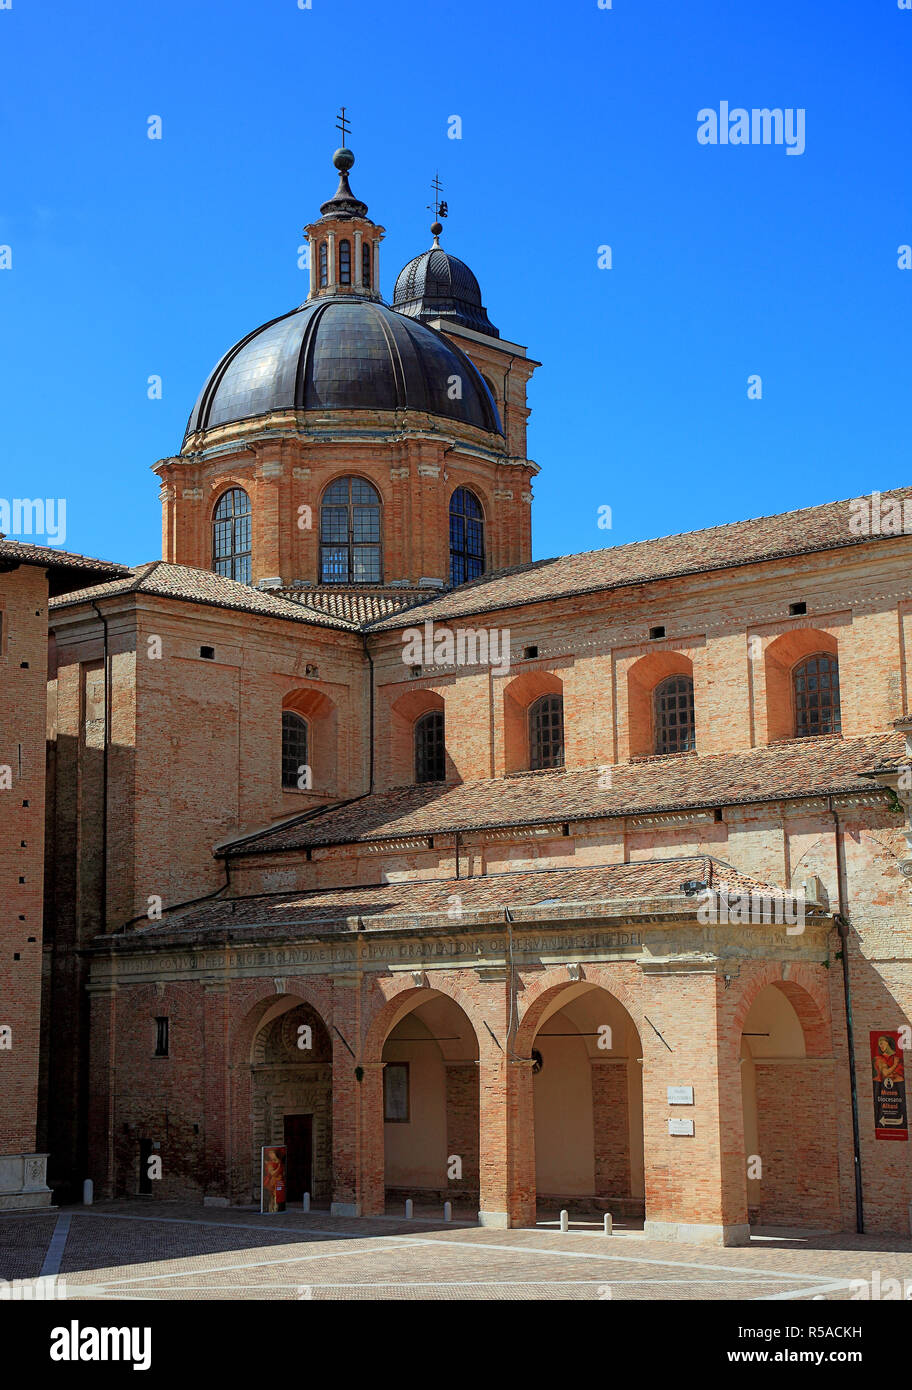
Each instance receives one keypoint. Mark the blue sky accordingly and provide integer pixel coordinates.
(133, 257)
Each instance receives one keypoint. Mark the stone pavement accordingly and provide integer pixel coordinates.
(138, 1250)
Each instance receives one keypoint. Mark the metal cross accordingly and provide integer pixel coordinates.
(343, 124)
(439, 205)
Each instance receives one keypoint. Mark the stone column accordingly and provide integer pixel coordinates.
(356, 268)
(331, 260)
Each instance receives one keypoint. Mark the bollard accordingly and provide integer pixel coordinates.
(409, 1208)
(565, 1221)
(305, 1201)
(448, 1211)
(88, 1192)
(608, 1223)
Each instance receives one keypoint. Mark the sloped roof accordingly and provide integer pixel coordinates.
(203, 586)
(66, 570)
(603, 884)
(737, 543)
(798, 768)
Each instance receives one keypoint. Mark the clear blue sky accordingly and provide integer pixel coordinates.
(134, 257)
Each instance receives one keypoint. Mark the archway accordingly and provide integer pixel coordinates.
(587, 1090)
(788, 1089)
(431, 1104)
(291, 1096)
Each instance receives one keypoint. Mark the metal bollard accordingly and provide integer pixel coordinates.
(609, 1224)
(565, 1221)
(88, 1192)
(409, 1208)
(448, 1211)
(305, 1202)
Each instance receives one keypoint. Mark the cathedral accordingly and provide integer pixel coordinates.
(518, 885)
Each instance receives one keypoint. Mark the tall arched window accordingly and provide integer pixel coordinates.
(816, 685)
(294, 750)
(546, 732)
(324, 266)
(673, 706)
(231, 552)
(430, 748)
(345, 263)
(467, 553)
(366, 265)
(350, 536)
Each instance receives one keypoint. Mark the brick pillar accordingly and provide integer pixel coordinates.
(216, 1082)
(462, 1122)
(372, 1186)
(102, 1033)
(267, 522)
(611, 1126)
(522, 1194)
(347, 1099)
(696, 1185)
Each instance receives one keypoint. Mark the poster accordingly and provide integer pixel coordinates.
(272, 1177)
(889, 1079)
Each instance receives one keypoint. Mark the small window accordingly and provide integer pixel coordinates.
(366, 265)
(161, 1037)
(546, 732)
(231, 536)
(396, 1093)
(207, 653)
(467, 550)
(798, 610)
(529, 653)
(655, 633)
(673, 704)
(345, 263)
(294, 751)
(324, 266)
(430, 748)
(816, 686)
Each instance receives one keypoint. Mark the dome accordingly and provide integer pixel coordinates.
(343, 353)
(438, 285)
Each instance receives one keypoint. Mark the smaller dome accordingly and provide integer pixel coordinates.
(436, 285)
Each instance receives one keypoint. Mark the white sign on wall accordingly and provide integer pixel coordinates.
(680, 1095)
(681, 1127)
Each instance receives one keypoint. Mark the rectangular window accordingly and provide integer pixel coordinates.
(161, 1037)
(396, 1093)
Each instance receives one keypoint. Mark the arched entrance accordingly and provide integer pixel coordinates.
(431, 1104)
(587, 1090)
(291, 1095)
(788, 1088)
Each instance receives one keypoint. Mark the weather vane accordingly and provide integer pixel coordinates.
(440, 208)
(344, 125)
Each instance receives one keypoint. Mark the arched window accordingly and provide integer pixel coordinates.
(673, 706)
(366, 265)
(350, 549)
(231, 535)
(324, 266)
(816, 685)
(345, 263)
(546, 732)
(467, 553)
(430, 748)
(294, 750)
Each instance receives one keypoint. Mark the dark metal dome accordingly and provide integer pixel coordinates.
(344, 354)
(437, 285)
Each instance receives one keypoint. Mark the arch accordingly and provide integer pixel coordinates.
(232, 549)
(644, 679)
(782, 656)
(467, 536)
(318, 712)
(404, 715)
(518, 696)
(351, 532)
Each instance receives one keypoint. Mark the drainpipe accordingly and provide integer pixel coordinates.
(842, 926)
(104, 774)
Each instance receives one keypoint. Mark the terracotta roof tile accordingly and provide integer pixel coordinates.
(803, 767)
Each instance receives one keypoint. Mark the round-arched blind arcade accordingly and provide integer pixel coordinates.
(231, 532)
(350, 533)
(467, 551)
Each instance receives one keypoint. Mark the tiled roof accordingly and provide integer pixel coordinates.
(802, 767)
(67, 571)
(359, 606)
(613, 883)
(737, 543)
(203, 586)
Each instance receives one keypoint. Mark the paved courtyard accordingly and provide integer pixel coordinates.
(128, 1250)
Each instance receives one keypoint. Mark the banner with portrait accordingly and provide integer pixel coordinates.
(273, 1161)
(888, 1075)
